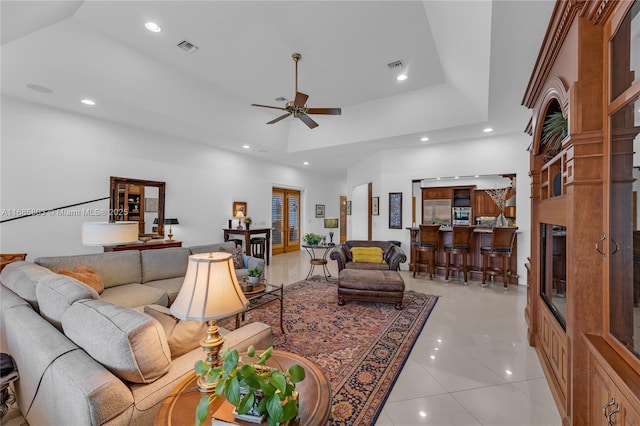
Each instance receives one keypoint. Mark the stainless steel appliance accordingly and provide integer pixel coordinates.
(461, 215)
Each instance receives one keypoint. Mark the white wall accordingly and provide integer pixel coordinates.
(359, 213)
(52, 158)
(490, 155)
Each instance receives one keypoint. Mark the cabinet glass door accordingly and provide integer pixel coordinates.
(624, 238)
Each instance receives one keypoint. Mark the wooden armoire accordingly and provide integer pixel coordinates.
(583, 300)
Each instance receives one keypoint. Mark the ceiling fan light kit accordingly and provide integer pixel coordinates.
(298, 107)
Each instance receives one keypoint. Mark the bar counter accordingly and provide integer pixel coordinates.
(481, 238)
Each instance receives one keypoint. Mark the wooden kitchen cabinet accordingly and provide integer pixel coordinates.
(436, 193)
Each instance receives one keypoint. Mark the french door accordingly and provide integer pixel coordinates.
(285, 220)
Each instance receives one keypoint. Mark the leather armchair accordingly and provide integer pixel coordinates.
(392, 254)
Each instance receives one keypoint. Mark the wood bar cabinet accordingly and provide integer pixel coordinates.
(582, 311)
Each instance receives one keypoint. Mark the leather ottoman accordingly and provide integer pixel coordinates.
(370, 286)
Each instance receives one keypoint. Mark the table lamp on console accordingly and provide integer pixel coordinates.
(239, 216)
(170, 222)
(331, 223)
(210, 292)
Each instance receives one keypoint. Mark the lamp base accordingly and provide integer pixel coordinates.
(239, 227)
(211, 345)
(170, 234)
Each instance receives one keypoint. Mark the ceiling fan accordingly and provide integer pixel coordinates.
(298, 107)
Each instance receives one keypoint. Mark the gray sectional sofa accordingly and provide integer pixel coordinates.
(138, 278)
(89, 359)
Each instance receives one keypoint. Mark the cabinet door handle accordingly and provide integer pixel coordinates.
(610, 415)
(617, 246)
(604, 236)
(607, 405)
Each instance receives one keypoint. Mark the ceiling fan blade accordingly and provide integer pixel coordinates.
(328, 111)
(275, 120)
(301, 99)
(268, 106)
(308, 121)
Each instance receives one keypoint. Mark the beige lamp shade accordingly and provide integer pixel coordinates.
(108, 233)
(239, 214)
(210, 290)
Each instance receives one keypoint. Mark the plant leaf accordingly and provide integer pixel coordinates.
(296, 373)
(251, 352)
(201, 368)
(264, 356)
(267, 388)
(290, 410)
(278, 380)
(274, 408)
(232, 390)
(202, 410)
(246, 403)
(230, 362)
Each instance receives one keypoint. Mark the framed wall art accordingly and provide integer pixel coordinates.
(319, 210)
(239, 206)
(395, 210)
(375, 206)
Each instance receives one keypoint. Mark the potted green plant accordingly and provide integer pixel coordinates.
(312, 239)
(252, 387)
(248, 221)
(554, 130)
(254, 275)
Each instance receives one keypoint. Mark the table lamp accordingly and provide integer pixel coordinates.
(239, 216)
(170, 222)
(109, 233)
(210, 292)
(331, 223)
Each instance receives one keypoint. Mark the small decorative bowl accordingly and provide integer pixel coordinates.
(145, 239)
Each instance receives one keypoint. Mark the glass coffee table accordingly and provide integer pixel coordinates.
(263, 294)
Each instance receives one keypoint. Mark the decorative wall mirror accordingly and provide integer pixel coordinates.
(141, 201)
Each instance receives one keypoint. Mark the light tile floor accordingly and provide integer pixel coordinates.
(471, 365)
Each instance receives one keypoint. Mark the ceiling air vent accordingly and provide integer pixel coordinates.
(187, 46)
(396, 65)
(281, 99)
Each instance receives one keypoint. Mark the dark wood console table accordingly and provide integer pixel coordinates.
(150, 245)
(179, 408)
(247, 239)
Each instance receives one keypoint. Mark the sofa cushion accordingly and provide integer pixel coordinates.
(236, 255)
(171, 286)
(56, 293)
(210, 248)
(115, 268)
(128, 343)
(367, 254)
(22, 277)
(163, 264)
(86, 276)
(182, 336)
(135, 295)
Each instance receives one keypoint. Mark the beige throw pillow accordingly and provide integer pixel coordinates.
(182, 336)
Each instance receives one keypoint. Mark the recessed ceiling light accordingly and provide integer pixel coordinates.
(456, 177)
(246, 146)
(424, 139)
(153, 27)
(88, 102)
(306, 163)
(401, 77)
(438, 178)
(476, 176)
(39, 88)
(487, 129)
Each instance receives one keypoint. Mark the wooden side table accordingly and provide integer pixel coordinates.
(179, 408)
(150, 245)
(7, 258)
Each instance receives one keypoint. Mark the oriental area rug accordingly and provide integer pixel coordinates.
(361, 347)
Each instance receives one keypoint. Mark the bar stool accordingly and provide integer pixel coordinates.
(238, 241)
(460, 246)
(258, 246)
(502, 239)
(427, 243)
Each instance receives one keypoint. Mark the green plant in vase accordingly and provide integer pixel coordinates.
(312, 239)
(554, 130)
(252, 387)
